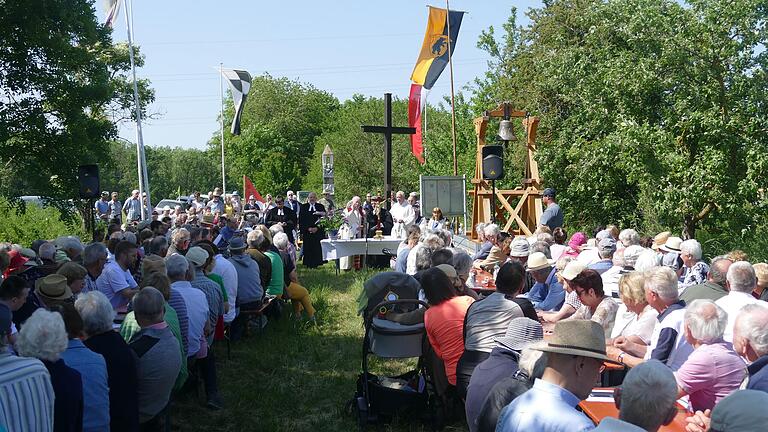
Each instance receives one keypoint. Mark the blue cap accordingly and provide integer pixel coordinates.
(549, 192)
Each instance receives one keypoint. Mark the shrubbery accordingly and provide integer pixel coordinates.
(24, 224)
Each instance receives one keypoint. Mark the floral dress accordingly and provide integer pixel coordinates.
(694, 275)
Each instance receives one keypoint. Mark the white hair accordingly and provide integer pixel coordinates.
(480, 228)
(706, 320)
(647, 260)
(532, 362)
(632, 255)
(176, 266)
(752, 324)
(662, 281)
(648, 378)
(274, 229)
(43, 336)
(629, 237)
(96, 312)
(69, 242)
(741, 277)
(491, 230)
(433, 242)
(692, 247)
(254, 238)
(280, 240)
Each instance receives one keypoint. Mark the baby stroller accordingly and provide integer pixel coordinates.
(380, 398)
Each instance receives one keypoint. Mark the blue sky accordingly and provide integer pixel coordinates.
(341, 46)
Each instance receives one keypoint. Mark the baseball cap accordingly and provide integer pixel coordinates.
(607, 245)
(549, 192)
(519, 248)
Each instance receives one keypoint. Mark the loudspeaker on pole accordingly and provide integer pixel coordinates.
(493, 162)
(88, 177)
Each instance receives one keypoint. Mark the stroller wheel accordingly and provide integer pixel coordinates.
(361, 407)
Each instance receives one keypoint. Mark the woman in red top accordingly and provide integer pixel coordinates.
(444, 320)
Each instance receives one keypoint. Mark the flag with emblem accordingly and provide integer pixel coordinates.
(434, 50)
(239, 83)
(112, 8)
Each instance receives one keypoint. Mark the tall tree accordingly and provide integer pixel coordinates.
(61, 83)
(652, 111)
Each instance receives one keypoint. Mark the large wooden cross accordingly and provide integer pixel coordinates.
(388, 130)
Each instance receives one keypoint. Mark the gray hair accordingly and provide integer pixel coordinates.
(618, 258)
(149, 304)
(69, 242)
(433, 242)
(280, 240)
(445, 235)
(741, 277)
(274, 229)
(540, 246)
(752, 325)
(47, 251)
(480, 228)
(692, 247)
(629, 237)
(533, 362)
(129, 237)
(649, 378)
(157, 245)
(706, 320)
(662, 281)
(491, 230)
(462, 262)
(546, 238)
(93, 253)
(43, 336)
(423, 258)
(96, 311)
(180, 235)
(176, 266)
(718, 269)
(255, 238)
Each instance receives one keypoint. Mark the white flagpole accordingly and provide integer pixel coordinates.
(424, 135)
(140, 158)
(221, 94)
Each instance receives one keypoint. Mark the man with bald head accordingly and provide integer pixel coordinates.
(311, 234)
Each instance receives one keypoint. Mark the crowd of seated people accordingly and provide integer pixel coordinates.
(104, 336)
(678, 326)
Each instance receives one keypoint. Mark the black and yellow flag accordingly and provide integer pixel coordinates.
(434, 50)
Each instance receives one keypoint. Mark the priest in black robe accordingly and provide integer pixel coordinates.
(311, 234)
(282, 215)
(379, 219)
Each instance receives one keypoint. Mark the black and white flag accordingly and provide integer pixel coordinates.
(240, 83)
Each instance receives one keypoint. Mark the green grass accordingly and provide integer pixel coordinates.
(294, 379)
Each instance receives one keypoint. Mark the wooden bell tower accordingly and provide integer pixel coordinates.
(517, 210)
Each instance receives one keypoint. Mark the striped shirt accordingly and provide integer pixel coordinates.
(26, 394)
(177, 303)
(212, 292)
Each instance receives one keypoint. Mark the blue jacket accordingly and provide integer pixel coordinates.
(547, 296)
(758, 374)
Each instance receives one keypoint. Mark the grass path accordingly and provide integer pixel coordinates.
(290, 378)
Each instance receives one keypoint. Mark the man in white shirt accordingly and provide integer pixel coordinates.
(401, 211)
(740, 280)
(115, 280)
(228, 274)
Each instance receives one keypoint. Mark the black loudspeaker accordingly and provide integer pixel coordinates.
(88, 176)
(493, 162)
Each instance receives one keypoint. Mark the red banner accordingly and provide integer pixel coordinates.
(414, 121)
(249, 189)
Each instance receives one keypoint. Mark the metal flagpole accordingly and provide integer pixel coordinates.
(453, 108)
(140, 158)
(424, 135)
(221, 93)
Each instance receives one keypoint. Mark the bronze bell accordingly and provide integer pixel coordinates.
(505, 130)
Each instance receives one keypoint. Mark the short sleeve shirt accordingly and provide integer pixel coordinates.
(712, 372)
(605, 314)
(113, 280)
(552, 216)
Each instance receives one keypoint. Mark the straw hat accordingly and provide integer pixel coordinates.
(572, 269)
(53, 287)
(538, 261)
(672, 245)
(521, 332)
(660, 239)
(583, 338)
